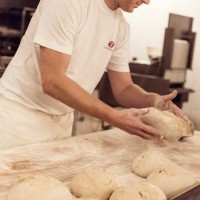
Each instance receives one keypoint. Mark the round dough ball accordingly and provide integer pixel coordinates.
(85, 199)
(150, 160)
(92, 183)
(138, 191)
(37, 188)
(171, 181)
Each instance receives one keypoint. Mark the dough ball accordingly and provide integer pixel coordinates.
(85, 199)
(171, 181)
(150, 160)
(138, 191)
(37, 188)
(173, 128)
(92, 183)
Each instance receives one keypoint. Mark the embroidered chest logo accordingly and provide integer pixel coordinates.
(111, 44)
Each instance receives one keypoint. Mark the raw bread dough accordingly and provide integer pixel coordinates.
(138, 191)
(93, 183)
(150, 160)
(171, 181)
(37, 188)
(173, 128)
(84, 199)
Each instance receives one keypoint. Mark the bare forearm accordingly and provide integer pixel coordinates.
(127, 93)
(135, 97)
(71, 94)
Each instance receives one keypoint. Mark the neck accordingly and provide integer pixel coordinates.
(112, 4)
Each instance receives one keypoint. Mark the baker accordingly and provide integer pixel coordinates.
(61, 58)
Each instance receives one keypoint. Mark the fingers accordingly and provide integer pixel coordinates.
(178, 112)
(149, 136)
(151, 132)
(165, 103)
(148, 132)
(183, 116)
(137, 112)
(132, 124)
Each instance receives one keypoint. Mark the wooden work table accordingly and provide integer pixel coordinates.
(113, 150)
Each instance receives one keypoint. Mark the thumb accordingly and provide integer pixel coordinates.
(143, 111)
(170, 96)
(137, 112)
(162, 101)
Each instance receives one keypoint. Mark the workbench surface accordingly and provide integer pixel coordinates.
(113, 150)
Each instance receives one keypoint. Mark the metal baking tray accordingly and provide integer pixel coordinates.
(190, 194)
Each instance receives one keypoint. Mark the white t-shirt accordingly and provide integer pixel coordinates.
(95, 36)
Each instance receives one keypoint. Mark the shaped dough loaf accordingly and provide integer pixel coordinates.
(150, 160)
(84, 199)
(92, 183)
(39, 187)
(171, 181)
(172, 127)
(138, 191)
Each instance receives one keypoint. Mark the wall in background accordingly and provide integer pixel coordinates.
(148, 25)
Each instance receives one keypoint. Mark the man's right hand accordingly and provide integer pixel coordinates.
(128, 120)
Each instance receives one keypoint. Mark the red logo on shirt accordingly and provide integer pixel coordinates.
(111, 44)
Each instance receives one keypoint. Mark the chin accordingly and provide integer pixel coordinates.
(130, 10)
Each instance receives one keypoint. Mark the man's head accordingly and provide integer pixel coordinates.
(125, 5)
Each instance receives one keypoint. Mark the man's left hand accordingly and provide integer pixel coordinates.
(165, 103)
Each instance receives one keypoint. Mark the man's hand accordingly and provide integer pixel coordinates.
(165, 103)
(128, 120)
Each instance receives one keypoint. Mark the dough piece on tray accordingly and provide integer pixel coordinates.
(93, 183)
(150, 160)
(172, 181)
(138, 191)
(37, 188)
(172, 127)
(84, 199)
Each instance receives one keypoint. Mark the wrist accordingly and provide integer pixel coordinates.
(153, 98)
(112, 116)
(105, 113)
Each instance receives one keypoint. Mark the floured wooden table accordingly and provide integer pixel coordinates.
(113, 150)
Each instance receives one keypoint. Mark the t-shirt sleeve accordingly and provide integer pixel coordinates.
(57, 25)
(120, 56)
